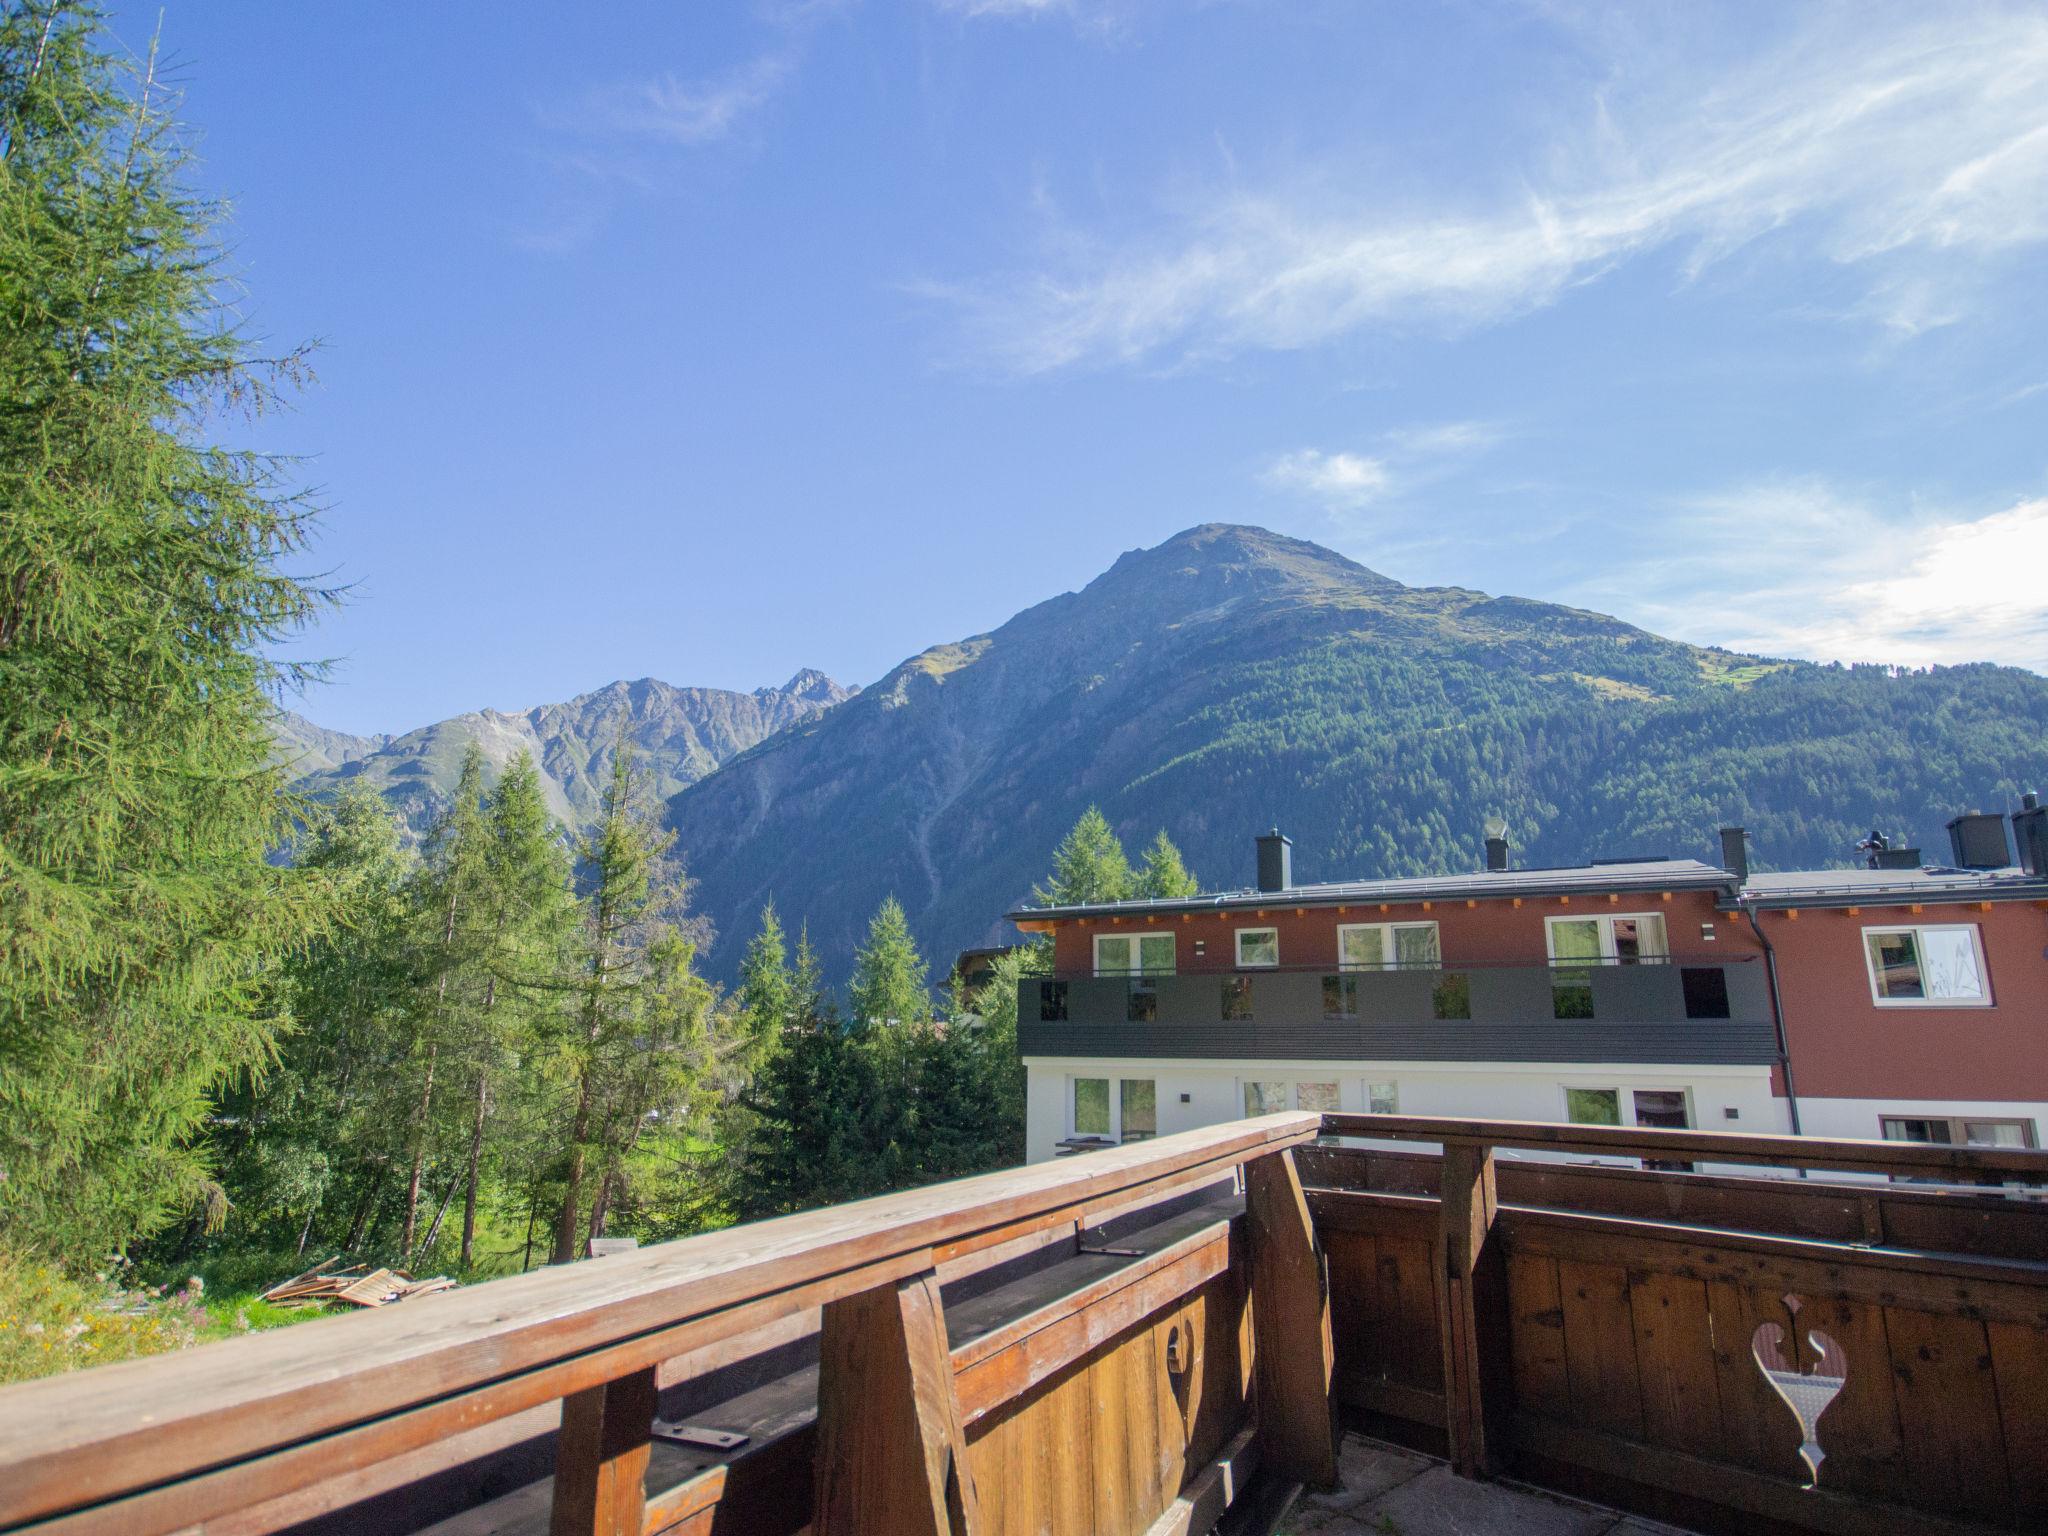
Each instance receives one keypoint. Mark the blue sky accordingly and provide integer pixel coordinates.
(709, 341)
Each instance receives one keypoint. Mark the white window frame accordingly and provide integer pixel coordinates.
(1386, 932)
(1116, 1081)
(1625, 1100)
(1604, 925)
(1133, 937)
(1879, 1000)
(1258, 965)
(1290, 1085)
(1957, 1123)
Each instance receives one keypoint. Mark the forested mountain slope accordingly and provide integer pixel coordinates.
(1232, 679)
(680, 734)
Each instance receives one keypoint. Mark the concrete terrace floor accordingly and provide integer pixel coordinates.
(1393, 1492)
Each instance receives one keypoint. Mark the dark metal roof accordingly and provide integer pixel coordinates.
(1646, 875)
(1855, 887)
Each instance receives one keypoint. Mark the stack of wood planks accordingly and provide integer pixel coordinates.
(324, 1283)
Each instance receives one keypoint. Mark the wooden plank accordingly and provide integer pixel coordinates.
(1859, 1430)
(72, 1441)
(892, 1455)
(1675, 1363)
(1717, 1484)
(1948, 1413)
(1963, 1164)
(1537, 1331)
(601, 1459)
(1408, 1303)
(2019, 1362)
(1213, 1491)
(1049, 1341)
(1600, 1347)
(1356, 1325)
(2008, 1290)
(672, 1506)
(1758, 1430)
(1290, 1302)
(1471, 1305)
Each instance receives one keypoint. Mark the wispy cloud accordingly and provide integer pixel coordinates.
(1870, 142)
(1799, 568)
(679, 111)
(1333, 479)
(1403, 459)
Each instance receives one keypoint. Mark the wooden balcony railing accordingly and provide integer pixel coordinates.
(1137, 1340)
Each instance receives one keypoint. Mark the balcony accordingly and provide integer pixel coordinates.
(1710, 1012)
(1149, 1340)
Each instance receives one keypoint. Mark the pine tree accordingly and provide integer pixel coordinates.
(528, 916)
(766, 991)
(890, 984)
(450, 898)
(1164, 877)
(141, 592)
(621, 860)
(1089, 865)
(812, 1137)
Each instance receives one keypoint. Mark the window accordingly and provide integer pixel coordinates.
(1451, 997)
(1959, 1131)
(1237, 999)
(1134, 954)
(1264, 1098)
(1052, 1002)
(1592, 1106)
(1258, 946)
(1388, 946)
(1706, 991)
(1926, 967)
(1139, 1101)
(1321, 1097)
(1340, 997)
(1627, 938)
(1383, 1098)
(1091, 1106)
(1666, 1109)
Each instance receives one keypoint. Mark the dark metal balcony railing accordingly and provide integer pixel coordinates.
(1678, 1008)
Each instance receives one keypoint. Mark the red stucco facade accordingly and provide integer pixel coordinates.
(1845, 1045)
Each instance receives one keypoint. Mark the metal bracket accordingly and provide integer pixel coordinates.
(691, 1434)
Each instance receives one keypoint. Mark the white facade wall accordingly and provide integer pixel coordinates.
(1475, 1090)
(1844, 1119)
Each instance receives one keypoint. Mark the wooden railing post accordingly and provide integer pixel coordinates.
(601, 1458)
(892, 1455)
(1472, 1305)
(1290, 1327)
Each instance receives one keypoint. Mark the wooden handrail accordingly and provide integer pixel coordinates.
(1906, 1159)
(226, 1425)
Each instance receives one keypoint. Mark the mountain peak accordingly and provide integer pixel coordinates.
(1213, 561)
(812, 686)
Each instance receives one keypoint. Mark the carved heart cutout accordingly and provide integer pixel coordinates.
(1807, 1393)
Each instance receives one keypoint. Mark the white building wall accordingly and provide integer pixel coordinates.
(1859, 1119)
(1475, 1090)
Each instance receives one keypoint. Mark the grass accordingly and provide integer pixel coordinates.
(51, 1322)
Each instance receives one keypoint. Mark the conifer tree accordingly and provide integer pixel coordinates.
(1089, 865)
(622, 859)
(1163, 876)
(766, 990)
(450, 898)
(812, 1139)
(890, 984)
(528, 914)
(142, 588)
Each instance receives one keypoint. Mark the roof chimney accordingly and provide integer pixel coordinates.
(1276, 861)
(1496, 843)
(2030, 831)
(1978, 841)
(1735, 853)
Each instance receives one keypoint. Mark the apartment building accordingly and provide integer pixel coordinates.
(1908, 1000)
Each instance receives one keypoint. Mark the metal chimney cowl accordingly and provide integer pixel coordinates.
(1276, 861)
(1735, 853)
